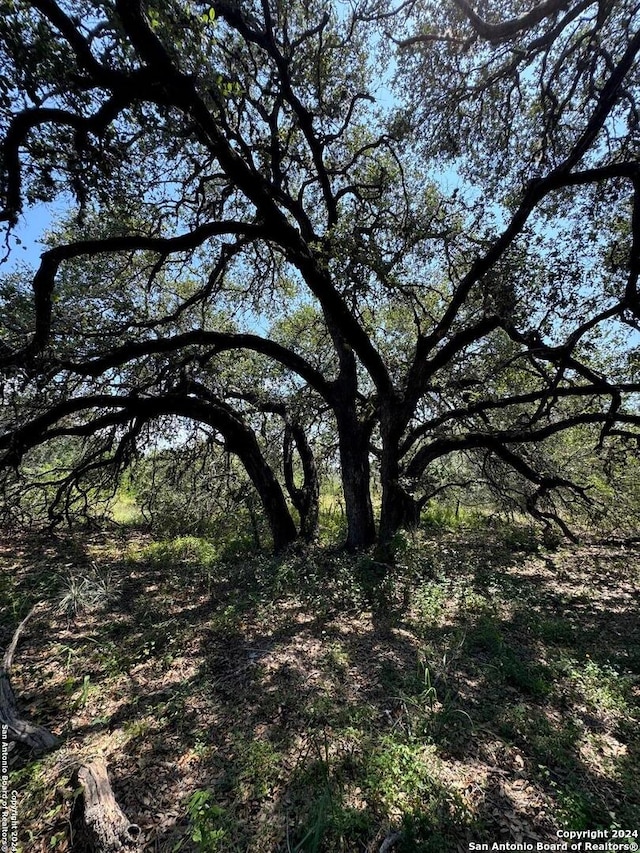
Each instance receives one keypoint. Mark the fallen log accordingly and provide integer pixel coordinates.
(18, 730)
(100, 825)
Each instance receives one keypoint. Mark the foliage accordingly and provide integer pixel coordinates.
(395, 247)
(83, 591)
(205, 816)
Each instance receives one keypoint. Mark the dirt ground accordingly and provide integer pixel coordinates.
(485, 690)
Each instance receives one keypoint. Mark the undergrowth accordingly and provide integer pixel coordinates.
(318, 701)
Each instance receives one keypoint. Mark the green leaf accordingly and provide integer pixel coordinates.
(208, 17)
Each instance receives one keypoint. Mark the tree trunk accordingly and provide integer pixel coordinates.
(245, 446)
(100, 824)
(356, 480)
(240, 440)
(353, 442)
(399, 509)
(306, 499)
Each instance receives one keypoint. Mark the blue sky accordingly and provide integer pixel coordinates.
(30, 231)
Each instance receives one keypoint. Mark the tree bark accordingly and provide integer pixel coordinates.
(245, 446)
(353, 438)
(307, 499)
(101, 825)
(240, 440)
(399, 509)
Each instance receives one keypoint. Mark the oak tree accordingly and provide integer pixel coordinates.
(416, 226)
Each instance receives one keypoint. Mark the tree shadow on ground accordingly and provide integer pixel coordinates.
(495, 701)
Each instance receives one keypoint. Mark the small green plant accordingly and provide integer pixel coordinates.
(202, 749)
(475, 603)
(402, 778)
(205, 818)
(401, 543)
(337, 660)
(425, 712)
(257, 769)
(556, 630)
(137, 728)
(226, 622)
(485, 636)
(332, 521)
(520, 539)
(82, 592)
(429, 602)
(181, 551)
(439, 516)
(603, 686)
(574, 810)
(529, 728)
(10, 595)
(318, 823)
(81, 701)
(429, 696)
(529, 677)
(57, 838)
(111, 658)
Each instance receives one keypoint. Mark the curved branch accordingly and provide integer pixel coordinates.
(484, 406)
(505, 30)
(239, 439)
(23, 123)
(443, 446)
(86, 60)
(214, 341)
(44, 279)
(265, 40)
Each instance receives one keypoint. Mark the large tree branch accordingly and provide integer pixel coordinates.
(505, 30)
(233, 15)
(214, 342)
(443, 446)
(102, 75)
(558, 178)
(346, 330)
(26, 121)
(461, 414)
(44, 279)
(239, 438)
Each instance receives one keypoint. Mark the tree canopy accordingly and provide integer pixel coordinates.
(408, 233)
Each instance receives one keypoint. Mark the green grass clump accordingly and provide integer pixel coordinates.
(603, 687)
(183, 550)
